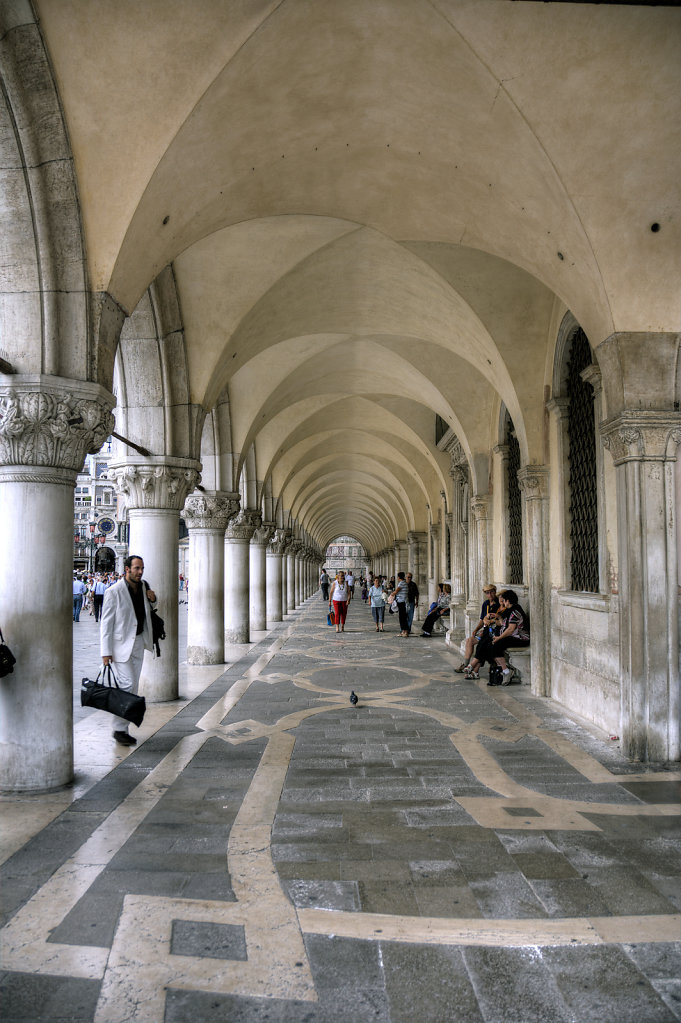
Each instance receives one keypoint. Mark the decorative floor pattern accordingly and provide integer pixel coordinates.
(440, 851)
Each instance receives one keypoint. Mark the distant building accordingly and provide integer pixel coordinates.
(347, 553)
(99, 526)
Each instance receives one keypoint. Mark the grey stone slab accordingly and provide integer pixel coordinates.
(449, 901)
(139, 882)
(658, 960)
(626, 891)
(37, 998)
(380, 869)
(395, 897)
(428, 985)
(432, 817)
(569, 898)
(208, 939)
(544, 865)
(316, 870)
(670, 993)
(337, 961)
(216, 886)
(311, 851)
(604, 984)
(92, 921)
(507, 896)
(515, 986)
(199, 1007)
(338, 895)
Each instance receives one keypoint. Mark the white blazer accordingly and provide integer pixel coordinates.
(118, 623)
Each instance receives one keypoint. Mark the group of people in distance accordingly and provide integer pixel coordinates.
(502, 624)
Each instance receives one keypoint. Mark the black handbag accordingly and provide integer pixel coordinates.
(7, 658)
(107, 695)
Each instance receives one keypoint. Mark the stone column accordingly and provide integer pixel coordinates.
(154, 490)
(533, 481)
(287, 540)
(459, 476)
(643, 446)
(273, 576)
(47, 426)
(300, 567)
(558, 408)
(478, 552)
(237, 597)
(416, 562)
(500, 558)
(291, 553)
(206, 515)
(257, 587)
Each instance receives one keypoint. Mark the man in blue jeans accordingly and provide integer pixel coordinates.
(79, 591)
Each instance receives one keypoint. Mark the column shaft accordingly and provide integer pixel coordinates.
(205, 626)
(237, 622)
(273, 586)
(257, 591)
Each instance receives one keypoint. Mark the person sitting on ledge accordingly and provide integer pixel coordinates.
(513, 631)
(490, 606)
(441, 608)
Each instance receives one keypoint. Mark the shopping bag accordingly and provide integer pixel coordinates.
(329, 618)
(107, 695)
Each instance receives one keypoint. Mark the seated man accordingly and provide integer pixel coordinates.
(512, 631)
(442, 608)
(489, 606)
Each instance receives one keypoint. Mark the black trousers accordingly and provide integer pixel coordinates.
(98, 601)
(486, 650)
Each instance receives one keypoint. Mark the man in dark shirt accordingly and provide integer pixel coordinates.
(412, 600)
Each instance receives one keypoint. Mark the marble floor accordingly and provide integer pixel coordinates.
(440, 851)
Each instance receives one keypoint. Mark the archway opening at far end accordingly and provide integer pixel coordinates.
(347, 553)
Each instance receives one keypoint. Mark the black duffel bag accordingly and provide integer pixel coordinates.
(7, 658)
(107, 695)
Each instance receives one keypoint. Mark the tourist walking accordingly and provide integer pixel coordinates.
(338, 600)
(79, 591)
(126, 633)
(377, 598)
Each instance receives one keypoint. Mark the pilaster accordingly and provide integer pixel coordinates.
(643, 445)
(534, 481)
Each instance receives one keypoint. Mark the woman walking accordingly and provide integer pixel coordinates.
(377, 603)
(400, 595)
(338, 600)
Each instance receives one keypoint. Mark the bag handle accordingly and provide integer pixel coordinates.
(108, 676)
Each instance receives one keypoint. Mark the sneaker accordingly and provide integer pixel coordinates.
(125, 739)
(425, 635)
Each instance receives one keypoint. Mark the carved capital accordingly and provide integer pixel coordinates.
(52, 421)
(415, 538)
(533, 481)
(502, 450)
(558, 407)
(156, 482)
(294, 548)
(263, 533)
(210, 510)
(480, 507)
(243, 525)
(642, 436)
(277, 543)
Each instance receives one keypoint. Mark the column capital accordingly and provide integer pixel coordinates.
(480, 506)
(558, 407)
(277, 543)
(458, 472)
(210, 509)
(533, 481)
(502, 450)
(157, 482)
(52, 421)
(642, 435)
(263, 533)
(243, 525)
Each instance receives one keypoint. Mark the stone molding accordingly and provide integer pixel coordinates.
(480, 506)
(210, 510)
(156, 482)
(263, 534)
(52, 421)
(558, 407)
(642, 436)
(277, 543)
(533, 481)
(44, 475)
(592, 375)
(415, 537)
(502, 450)
(243, 526)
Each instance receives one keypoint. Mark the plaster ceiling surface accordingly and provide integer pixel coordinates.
(374, 212)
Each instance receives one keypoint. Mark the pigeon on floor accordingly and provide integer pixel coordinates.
(353, 698)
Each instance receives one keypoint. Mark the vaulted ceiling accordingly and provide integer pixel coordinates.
(376, 212)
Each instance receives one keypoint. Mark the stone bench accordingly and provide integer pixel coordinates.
(519, 659)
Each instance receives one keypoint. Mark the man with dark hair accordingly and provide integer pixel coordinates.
(412, 600)
(126, 633)
(324, 582)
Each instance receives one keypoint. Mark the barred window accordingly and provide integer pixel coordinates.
(515, 509)
(583, 495)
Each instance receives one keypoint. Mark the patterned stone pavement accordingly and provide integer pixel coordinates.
(440, 852)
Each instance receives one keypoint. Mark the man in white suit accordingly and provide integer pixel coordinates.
(125, 633)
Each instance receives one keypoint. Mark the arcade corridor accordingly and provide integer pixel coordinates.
(440, 852)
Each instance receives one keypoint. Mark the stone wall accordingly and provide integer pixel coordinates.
(585, 656)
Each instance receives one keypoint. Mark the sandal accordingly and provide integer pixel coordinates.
(462, 669)
(472, 676)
